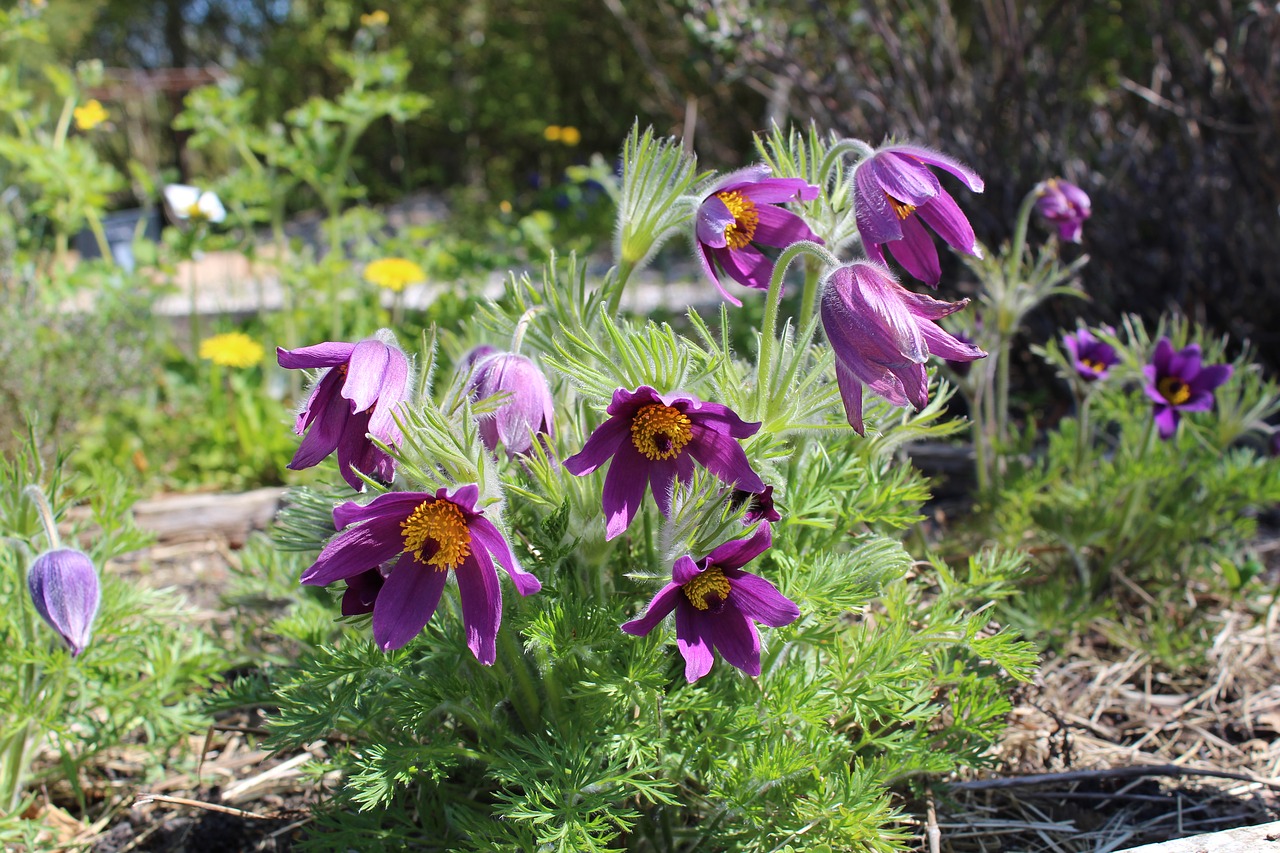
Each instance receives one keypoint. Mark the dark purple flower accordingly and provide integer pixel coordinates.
(1065, 205)
(882, 334)
(362, 592)
(717, 605)
(426, 535)
(527, 410)
(1092, 358)
(759, 506)
(64, 589)
(741, 212)
(893, 190)
(354, 398)
(654, 439)
(1176, 382)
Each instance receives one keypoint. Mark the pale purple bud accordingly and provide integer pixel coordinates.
(1065, 205)
(526, 412)
(64, 588)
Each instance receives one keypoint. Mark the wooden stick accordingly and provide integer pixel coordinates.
(144, 798)
(1106, 773)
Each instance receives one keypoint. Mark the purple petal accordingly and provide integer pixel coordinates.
(1211, 377)
(942, 161)
(916, 252)
(323, 396)
(915, 384)
(721, 418)
(851, 396)
(328, 354)
(714, 218)
(663, 474)
(1185, 363)
(369, 363)
(947, 346)
(877, 221)
(741, 178)
(693, 641)
(709, 267)
(781, 228)
(1166, 419)
(355, 451)
(736, 553)
(927, 308)
(355, 550)
(362, 592)
(662, 604)
(464, 497)
(624, 488)
(772, 191)
(724, 457)
(481, 604)
(945, 217)
(760, 600)
(488, 537)
(1161, 357)
(323, 437)
(685, 569)
(602, 444)
(732, 634)
(391, 393)
(1198, 402)
(747, 266)
(391, 506)
(904, 178)
(407, 602)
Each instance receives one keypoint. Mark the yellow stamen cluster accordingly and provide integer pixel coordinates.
(233, 349)
(394, 273)
(376, 18)
(1174, 390)
(739, 233)
(442, 524)
(660, 432)
(90, 115)
(901, 208)
(710, 582)
(1094, 365)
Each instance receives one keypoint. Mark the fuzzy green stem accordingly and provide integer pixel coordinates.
(99, 235)
(837, 151)
(522, 326)
(773, 302)
(622, 272)
(38, 498)
(809, 296)
(1016, 248)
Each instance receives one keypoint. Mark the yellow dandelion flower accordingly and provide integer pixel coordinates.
(552, 132)
(90, 115)
(232, 349)
(504, 206)
(394, 273)
(570, 135)
(377, 18)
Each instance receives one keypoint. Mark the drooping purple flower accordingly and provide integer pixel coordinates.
(759, 506)
(64, 589)
(527, 410)
(882, 334)
(894, 190)
(654, 439)
(717, 605)
(1177, 382)
(354, 398)
(740, 213)
(1092, 358)
(362, 592)
(427, 536)
(1065, 205)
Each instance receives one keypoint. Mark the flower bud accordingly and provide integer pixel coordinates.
(528, 409)
(1065, 205)
(64, 588)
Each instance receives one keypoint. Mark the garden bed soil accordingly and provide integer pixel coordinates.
(1104, 750)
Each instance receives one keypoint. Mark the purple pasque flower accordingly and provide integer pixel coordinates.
(882, 334)
(739, 214)
(717, 605)
(362, 592)
(894, 190)
(528, 410)
(427, 536)
(65, 591)
(1092, 358)
(759, 506)
(653, 440)
(1065, 205)
(356, 397)
(1177, 382)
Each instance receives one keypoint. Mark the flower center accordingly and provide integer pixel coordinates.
(900, 207)
(660, 432)
(745, 219)
(1093, 364)
(1174, 390)
(707, 589)
(440, 528)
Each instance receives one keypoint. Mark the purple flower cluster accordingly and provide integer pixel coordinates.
(1177, 382)
(1092, 358)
